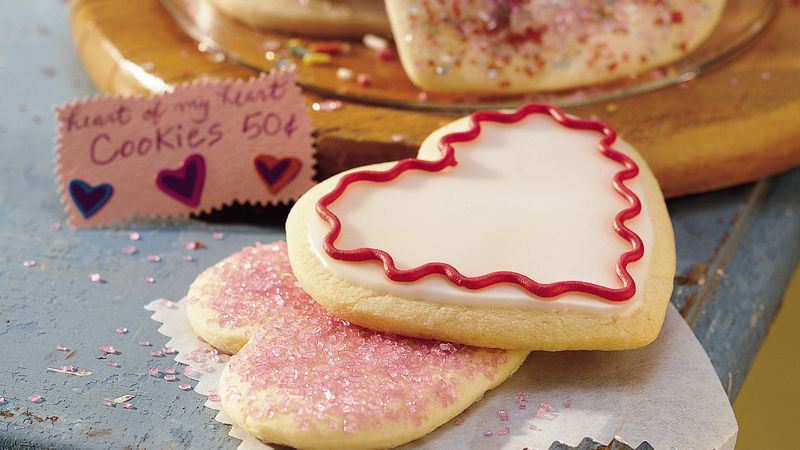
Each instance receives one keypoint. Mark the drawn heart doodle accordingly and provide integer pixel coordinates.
(276, 173)
(186, 183)
(89, 199)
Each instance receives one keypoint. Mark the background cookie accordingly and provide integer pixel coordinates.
(516, 47)
(309, 380)
(335, 18)
(500, 315)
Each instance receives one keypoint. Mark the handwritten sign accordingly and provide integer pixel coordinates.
(197, 148)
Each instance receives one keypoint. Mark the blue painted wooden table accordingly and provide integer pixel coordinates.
(736, 250)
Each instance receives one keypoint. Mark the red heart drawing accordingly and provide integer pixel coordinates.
(276, 173)
(186, 183)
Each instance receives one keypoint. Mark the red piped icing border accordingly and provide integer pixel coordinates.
(543, 291)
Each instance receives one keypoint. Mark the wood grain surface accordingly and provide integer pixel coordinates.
(733, 125)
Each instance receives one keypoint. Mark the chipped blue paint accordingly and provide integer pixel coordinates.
(742, 243)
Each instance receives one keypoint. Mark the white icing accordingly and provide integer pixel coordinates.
(533, 197)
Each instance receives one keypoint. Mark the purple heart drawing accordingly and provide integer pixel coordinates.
(186, 183)
(89, 199)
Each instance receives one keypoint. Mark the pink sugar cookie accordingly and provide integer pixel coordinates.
(310, 380)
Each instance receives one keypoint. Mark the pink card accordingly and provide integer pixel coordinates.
(197, 148)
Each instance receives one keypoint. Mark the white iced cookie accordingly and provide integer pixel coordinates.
(505, 47)
(513, 235)
(306, 379)
(322, 18)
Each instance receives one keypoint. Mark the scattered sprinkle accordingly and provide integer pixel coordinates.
(487, 433)
(155, 353)
(149, 280)
(123, 399)
(397, 138)
(153, 258)
(128, 405)
(67, 368)
(134, 236)
(169, 350)
(153, 372)
(327, 106)
(214, 397)
(95, 277)
(567, 403)
(734, 81)
(503, 415)
(458, 422)
(522, 399)
(534, 427)
(422, 96)
(170, 377)
(545, 406)
(112, 364)
(55, 226)
(108, 349)
(83, 373)
(145, 343)
(3, 400)
(189, 372)
(169, 371)
(504, 431)
(363, 79)
(316, 58)
(374, 42)
(166, 303)
(121, 330)
(188, 258)
(62, 348)
(129, 250)
(218, 236)
(193, 245)
(35, 398)
(108, 402)
(344, 74)
(29, 263)
(185, 386)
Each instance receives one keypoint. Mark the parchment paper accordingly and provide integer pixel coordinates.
(666, 394)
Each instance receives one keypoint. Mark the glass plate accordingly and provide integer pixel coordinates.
(261, 50)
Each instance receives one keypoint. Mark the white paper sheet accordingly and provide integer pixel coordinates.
(666, 394)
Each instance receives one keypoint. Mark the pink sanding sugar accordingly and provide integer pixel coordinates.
(325, 366)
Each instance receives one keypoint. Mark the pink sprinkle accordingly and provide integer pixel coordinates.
(144, 343)
(108, 349)
(112, 364)
(189, 372)
(193, 245)
(82, 372)
(149, 280)
(522, 399)
(169, 371)
(765, 76)
(217, 235)
(170, 377)
(153, 258)
(545, 406)
(185, 386)
(108, 403)
(487, 433)
(36, 398)
(363, 79)
(2, 400)
(213, 396)
(128, 405)
(503, 415)
(55, 226)
(533, 427)
(62, 348)
(67, 368)
(168, 350)
(129, 250)
(734, 81)
(385, 54)
(422, 96)
(153, 372)
(541, 412)
(397, 138)
(188, 258)
(155, 353)
(134, 236)
(504, 431)
(95, 277)
(568, 404)
(29, 263)
(166, 303)
(458, 422)
(121, 330)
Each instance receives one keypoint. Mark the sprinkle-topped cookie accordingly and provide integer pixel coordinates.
(509, 46)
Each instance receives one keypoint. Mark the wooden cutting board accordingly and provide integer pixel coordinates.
(736, 124)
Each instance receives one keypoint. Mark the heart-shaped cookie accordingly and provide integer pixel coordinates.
(528, 229)
(531, 45)
(304, 378)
